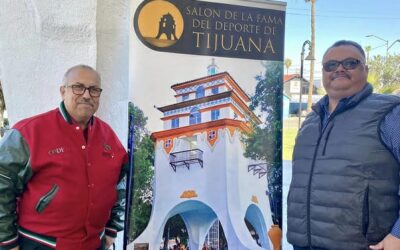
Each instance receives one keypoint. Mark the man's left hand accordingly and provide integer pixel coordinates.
(109, 241)
(388, 243)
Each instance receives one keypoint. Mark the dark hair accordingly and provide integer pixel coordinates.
(346, 43)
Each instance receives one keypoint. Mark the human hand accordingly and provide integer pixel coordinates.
(390, 242)
(15, 248)
(109, 242)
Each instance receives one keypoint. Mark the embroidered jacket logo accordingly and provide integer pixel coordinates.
(56, 151)
(107, 151)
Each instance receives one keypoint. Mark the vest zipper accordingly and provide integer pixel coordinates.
(309, 192)
(310, 180)
(329, 128)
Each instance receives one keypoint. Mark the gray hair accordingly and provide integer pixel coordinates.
(79, 66)
(347, 43)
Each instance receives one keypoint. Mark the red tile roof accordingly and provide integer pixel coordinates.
(290, 77)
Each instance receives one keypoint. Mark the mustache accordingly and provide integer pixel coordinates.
(85, 101)
(340, 74)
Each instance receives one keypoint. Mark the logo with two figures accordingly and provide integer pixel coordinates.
(159, 23)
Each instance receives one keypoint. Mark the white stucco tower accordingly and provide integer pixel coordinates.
(200, 170)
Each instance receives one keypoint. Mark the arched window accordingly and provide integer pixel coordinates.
(200, 92)
(195, 116)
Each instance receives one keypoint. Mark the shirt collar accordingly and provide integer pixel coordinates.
(68, 118)
(342, 104)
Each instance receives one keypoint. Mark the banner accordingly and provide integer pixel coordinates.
(204, 28)
(206, 82)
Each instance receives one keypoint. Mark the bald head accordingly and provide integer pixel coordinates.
(80, 67)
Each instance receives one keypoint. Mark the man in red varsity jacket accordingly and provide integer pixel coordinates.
(62, 174)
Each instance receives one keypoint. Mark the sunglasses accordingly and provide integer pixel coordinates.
(348, 63)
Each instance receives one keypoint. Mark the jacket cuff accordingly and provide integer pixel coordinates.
(9, 244)
(111, 232)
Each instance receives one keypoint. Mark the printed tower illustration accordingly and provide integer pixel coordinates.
(167, 26)
(200, 171)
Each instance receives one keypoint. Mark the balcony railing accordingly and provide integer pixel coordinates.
(258, 168)
(186, 158)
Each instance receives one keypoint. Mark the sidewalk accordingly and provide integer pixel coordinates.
(286, 178)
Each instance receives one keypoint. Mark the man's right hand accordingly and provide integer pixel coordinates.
(15, 248)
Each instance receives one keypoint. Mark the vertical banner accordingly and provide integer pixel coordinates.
(206, 82)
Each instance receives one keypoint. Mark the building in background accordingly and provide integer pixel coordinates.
(291, 90)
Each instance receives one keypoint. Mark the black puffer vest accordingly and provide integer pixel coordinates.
(343, 193)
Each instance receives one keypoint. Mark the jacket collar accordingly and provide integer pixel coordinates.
(347, 102)
(68, 118)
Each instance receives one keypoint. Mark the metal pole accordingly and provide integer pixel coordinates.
(129, 180)
(386, 43)
(398, 40)
(301, 84)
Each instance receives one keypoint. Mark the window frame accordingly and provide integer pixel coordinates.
(215, 114)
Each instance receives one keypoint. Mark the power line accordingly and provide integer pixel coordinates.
(350, 17)
(351, 12)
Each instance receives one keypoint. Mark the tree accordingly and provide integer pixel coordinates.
(288, 63)
(384, 73)
(175, 228)
(368, 49)
(142, 175)
(265, 142)
(311, 83)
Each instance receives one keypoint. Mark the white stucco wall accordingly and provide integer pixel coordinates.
(39, 40)
(113, 62)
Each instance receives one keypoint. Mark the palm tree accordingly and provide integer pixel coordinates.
(288, 63)
(368, 49)
(311, 84)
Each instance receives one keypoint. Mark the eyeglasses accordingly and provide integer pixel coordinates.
(348, 64)
(80, 90)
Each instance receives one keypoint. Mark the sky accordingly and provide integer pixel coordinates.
(340, 19)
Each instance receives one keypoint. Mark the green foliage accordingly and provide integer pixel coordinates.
(264, 142)
(140, 121)
(289, 135)
(384, 73)
(321, 91)
(175, 228)
(143, 174)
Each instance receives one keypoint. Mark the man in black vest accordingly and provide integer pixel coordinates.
(346, 162)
